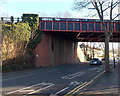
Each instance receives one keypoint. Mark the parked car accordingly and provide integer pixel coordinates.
(95, 61)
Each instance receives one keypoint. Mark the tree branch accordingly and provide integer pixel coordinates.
(108, 7)
(115, 4)
(111, 23)
(101, 8)
(98, 11)
(116, 16)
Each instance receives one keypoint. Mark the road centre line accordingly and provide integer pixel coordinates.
(73, 75)
(79, 73)
(17, 77)
(93, 68)
(75, 83)
(61, 90)
(43, 83)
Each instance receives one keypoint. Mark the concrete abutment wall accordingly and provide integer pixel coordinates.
(54, 50)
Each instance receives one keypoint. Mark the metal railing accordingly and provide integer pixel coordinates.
(75, 25)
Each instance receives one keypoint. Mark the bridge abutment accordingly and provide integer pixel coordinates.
(55, 50)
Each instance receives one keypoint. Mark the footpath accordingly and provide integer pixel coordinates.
(108, 84)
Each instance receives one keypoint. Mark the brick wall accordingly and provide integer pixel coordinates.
(54, 50)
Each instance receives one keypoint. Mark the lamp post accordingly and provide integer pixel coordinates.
(113, 56)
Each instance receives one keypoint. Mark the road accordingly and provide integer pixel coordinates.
(61, 79)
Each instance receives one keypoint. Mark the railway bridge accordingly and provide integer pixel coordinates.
(61, 36)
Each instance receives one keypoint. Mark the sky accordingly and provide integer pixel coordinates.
(42, 7)
(45, 8)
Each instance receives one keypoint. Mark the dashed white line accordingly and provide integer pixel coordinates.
(61, 90)
(93, 68)
(75, 83)
(73, 75)
(17, 77)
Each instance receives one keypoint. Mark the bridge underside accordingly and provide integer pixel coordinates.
(86, 36)
(59, 47)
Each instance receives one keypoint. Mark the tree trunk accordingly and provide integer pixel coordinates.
(107, 65)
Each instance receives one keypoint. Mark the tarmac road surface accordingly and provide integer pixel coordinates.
(61, 79)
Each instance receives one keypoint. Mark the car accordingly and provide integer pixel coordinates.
(95, 61)
(103, 59)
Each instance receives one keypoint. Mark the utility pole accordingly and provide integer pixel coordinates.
(119, 50)
(113, 55)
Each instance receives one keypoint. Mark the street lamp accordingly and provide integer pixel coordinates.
(113, 56)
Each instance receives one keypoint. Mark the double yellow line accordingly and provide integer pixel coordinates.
(77, 89)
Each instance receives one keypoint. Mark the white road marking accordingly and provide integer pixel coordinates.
(93, 68)
(73, 75)
(61, 90)
(21, 90)
(75, 83)
(44, 83)
(41, 89)
(88, 82)
(96, 68)
(17, 77)
(76, 76)
(26, 90)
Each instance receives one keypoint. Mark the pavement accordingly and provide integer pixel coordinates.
(107, 84)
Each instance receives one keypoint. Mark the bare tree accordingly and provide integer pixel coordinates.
(101, 6)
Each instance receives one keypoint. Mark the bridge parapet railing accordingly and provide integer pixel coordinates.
(75, 25)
